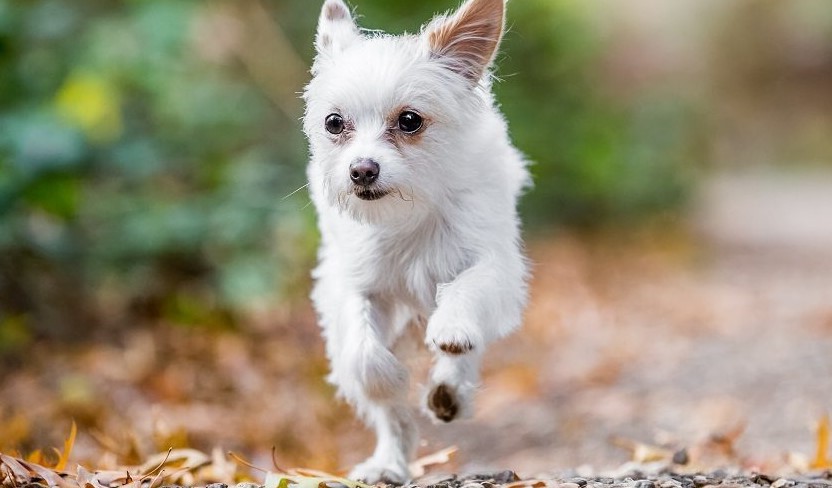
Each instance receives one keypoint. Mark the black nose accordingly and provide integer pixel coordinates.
(364, 171)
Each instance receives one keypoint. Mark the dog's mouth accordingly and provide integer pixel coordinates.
(367, 193)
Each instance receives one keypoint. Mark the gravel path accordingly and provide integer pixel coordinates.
(633, 479)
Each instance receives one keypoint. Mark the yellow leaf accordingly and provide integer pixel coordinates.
(64, 457)
(90, 102)
(822, 460)
(35, 456)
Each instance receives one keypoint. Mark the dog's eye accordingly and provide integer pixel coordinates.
(334, 124)
(410, 122)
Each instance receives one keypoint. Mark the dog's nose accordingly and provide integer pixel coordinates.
(364, 172)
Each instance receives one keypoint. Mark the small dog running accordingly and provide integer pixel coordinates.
(415, 182)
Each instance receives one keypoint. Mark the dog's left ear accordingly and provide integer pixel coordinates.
(467, 40)
(336, 29)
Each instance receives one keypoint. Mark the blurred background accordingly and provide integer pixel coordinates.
(156, 238)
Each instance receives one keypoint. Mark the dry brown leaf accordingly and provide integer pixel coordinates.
(419, 466)
(641, 452)
(86, 479)
(50, 477)
(25, 471)
(185, 458)
(312, 473)
(16, 469)
(821, 460)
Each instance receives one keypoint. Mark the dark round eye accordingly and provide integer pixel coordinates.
(334, 124)
(410, 122)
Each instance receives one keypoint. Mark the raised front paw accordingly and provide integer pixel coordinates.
(451, 338)
(442, 401)
(373, 471)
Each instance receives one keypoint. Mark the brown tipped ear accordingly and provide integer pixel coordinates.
(468, 38)
(336, 29)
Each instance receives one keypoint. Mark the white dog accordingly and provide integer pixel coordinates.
(416, 183)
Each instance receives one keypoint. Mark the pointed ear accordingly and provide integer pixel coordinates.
(336, 29)
(468, 38)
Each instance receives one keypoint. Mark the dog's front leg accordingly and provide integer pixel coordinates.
(482, 304)
(362, 364)
(376, 383)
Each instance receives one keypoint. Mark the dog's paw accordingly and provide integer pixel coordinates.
(373, 472)
(450, 340)
(443, 401)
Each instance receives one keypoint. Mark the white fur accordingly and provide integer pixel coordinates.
(441, 249)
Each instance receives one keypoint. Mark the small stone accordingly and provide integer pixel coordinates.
(681, 457)
(645, 484)
(782, 483)
(606, 481)
(503, 477)
(761, 479)
(472, 484)
(216, 485)
(569, 485)
(578, 481)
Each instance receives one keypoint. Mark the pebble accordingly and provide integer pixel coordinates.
(665, 478)
(681, 457)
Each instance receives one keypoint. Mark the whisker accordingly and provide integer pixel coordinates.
(299, 189)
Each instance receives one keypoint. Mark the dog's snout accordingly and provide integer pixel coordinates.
(364, 172)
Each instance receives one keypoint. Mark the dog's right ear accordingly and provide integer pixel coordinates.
(336, 29)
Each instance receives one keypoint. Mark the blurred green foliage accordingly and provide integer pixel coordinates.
(149, 150)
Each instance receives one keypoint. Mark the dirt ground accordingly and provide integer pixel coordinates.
(673, 338)
(713, 334)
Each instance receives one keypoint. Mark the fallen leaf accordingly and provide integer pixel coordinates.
(68, 444)
(319, 480)
(185, 458)
(821, 460)
(419, 466)
(641, 452)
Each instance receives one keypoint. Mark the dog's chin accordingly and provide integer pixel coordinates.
(370, 194)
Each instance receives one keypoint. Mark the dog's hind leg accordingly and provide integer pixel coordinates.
(375, 382)
(396, 435)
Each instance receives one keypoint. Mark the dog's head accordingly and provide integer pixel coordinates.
(390, 118)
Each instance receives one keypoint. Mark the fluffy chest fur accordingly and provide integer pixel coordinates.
(407, 261)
